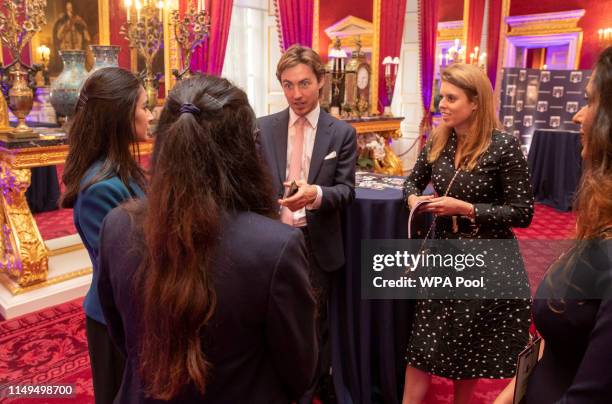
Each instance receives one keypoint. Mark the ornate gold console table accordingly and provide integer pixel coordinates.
(23, 254)
(388, 128)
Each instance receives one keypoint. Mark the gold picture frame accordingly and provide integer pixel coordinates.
(94, 29)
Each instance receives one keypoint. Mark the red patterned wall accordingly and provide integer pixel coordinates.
(332, 12)
(598, 14)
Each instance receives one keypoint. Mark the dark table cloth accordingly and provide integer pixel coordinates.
(44, 191)
(555, 166)
(369, 337)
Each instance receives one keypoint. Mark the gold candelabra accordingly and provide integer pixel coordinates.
(604, 37)
(20, 20)
(144, 30)
(457, 54)
(190, 32)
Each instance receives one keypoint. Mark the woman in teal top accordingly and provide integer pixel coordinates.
(101, 173)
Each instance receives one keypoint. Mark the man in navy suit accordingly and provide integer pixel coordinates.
(306, 145)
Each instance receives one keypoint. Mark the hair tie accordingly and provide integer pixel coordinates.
(189, 108)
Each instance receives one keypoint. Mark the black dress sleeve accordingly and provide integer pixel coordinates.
(419, 177)
(516, 207)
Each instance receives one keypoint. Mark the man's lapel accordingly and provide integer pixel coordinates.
(321, 145)
(280, 131)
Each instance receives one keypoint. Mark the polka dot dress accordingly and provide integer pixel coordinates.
(466, 339)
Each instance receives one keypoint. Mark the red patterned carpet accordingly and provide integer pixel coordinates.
(47, 347)
(50, 346)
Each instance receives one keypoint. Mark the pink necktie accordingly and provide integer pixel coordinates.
(295, 165)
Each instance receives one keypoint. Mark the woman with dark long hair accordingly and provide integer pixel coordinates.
(572, 310)
(101, 172)
(203, 289)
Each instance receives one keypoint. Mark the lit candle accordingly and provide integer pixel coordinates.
(160, 6)
(476, 49)
(138, 7)
(128, 8)
(483, 59)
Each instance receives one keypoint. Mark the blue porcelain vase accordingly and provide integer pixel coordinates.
(104, 56)
(65, 89)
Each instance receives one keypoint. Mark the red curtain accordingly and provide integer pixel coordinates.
(474, 25)
(428, 33)
(208, 58)
(117, 19)
(392, 15)
(295, 19)
(493, 34)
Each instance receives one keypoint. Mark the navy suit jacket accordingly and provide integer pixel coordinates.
(335, 176)
(261, 340)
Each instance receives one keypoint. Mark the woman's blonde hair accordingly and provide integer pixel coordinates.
(483, 121)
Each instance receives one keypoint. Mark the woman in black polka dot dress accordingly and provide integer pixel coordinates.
(465, 340)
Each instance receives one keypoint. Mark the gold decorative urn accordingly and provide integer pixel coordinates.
(20, 20)
(21, 99)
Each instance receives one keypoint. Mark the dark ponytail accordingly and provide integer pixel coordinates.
(204, 168)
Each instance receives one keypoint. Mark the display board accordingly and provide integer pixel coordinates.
(541, 99)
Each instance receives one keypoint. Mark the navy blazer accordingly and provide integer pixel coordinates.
(335, 176)
(90, 208)
(261, 340)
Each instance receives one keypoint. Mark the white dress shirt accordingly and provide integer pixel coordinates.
(310, 131)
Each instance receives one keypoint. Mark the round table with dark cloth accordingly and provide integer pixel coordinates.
(44, 191)
(555, 167)
(369, 337)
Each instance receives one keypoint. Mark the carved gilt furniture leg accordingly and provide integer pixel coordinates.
(23, 254)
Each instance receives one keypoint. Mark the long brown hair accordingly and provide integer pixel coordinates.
(205, 166)
(477, 87)
(593, 205)
(103, 130)
(594, 201)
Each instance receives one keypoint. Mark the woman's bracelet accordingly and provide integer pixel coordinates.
(472, 213)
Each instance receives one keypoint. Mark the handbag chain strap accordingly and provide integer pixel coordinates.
(433, 223)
